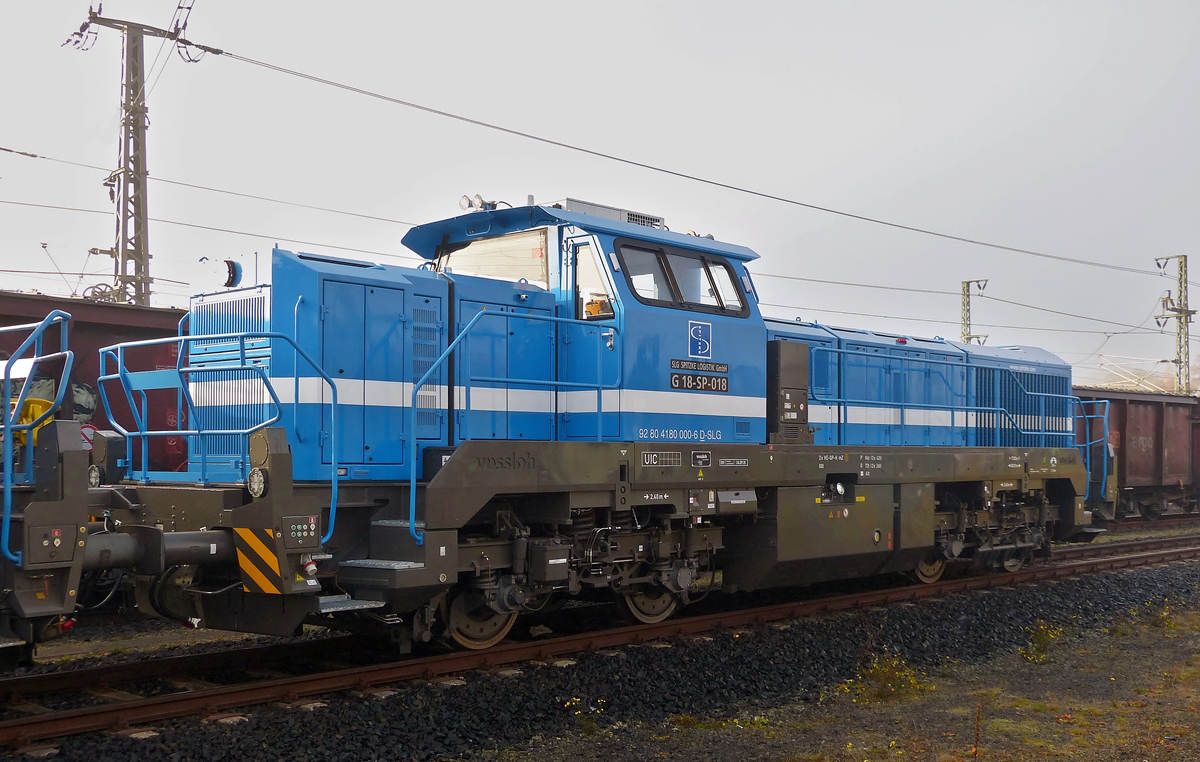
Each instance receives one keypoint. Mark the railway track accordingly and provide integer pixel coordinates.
(1143, 525)
(1069, 552)
(123, 711)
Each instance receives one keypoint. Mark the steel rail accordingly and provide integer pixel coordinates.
(111, 675)
(209, 701)
(1171, 521)
(1145, 544)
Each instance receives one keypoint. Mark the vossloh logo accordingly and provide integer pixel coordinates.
(512, 462)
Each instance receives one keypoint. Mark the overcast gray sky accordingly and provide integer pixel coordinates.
(1068, 128)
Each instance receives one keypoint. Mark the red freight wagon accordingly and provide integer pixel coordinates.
(95, 325)
(1155, 440)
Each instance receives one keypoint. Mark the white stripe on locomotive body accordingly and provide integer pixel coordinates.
(313, 390)
(822, 413)
(890, 416)
(671, 403)
(692, 403)
(397, 394)
(578, 401)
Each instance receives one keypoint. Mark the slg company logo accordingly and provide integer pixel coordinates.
(699, 340)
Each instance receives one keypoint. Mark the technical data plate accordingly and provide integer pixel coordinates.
(332, 604)
(381, 563)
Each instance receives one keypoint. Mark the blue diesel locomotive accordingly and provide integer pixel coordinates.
(562, 400)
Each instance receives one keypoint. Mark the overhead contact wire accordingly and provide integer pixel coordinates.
(216, 229)
(211, 189)
(666, 171)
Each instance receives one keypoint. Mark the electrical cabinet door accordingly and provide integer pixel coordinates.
(483, 412)
(342, 337)
(384, 401)
(530, 357)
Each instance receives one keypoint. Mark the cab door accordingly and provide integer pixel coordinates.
(589, 354)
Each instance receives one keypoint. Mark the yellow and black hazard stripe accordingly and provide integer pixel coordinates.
(259, 564)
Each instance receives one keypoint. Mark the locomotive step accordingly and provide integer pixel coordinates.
(395, 523)
(381, 563)
(330, 604)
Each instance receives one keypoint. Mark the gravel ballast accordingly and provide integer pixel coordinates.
(727, 674)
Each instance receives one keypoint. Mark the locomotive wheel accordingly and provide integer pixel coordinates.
(1013, 563)
(476, 626)
(930, 570)
(648, 605)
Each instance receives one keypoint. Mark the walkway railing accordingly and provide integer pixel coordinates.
(231, 355)
(1089, 446)
(1006, 420)
(1067, 409)
(10, 407)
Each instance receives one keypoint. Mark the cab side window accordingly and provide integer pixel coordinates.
(723, 280)
(592, 300)
(692, 277)
(682, 279)
(646, 274)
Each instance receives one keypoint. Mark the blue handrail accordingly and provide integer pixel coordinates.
(599, 386)
(186, 320)
(1001, 413)
(116, 354)
(1074, 411)
(1087, 445)
(296, 374)
(10, 408)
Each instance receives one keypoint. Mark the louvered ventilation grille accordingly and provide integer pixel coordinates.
(425, 351)
(650, 221)
(1028, 412)
(234, 399)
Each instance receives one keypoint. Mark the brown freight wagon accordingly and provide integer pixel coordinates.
(95, 325)
(1154, 440)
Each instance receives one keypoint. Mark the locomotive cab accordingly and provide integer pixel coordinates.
(667, 343)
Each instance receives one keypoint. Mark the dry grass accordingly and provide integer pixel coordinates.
(886, 678)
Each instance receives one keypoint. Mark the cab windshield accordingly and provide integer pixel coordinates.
(512, 257)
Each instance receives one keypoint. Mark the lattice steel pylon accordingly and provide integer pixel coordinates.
(131, 247)
(1178, 308)
(967, 336)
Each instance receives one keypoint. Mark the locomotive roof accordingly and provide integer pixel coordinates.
(425, 239)
(998, 354)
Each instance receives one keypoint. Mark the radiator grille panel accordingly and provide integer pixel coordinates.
(425, 347)
(1018, 393)
(228, 399)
